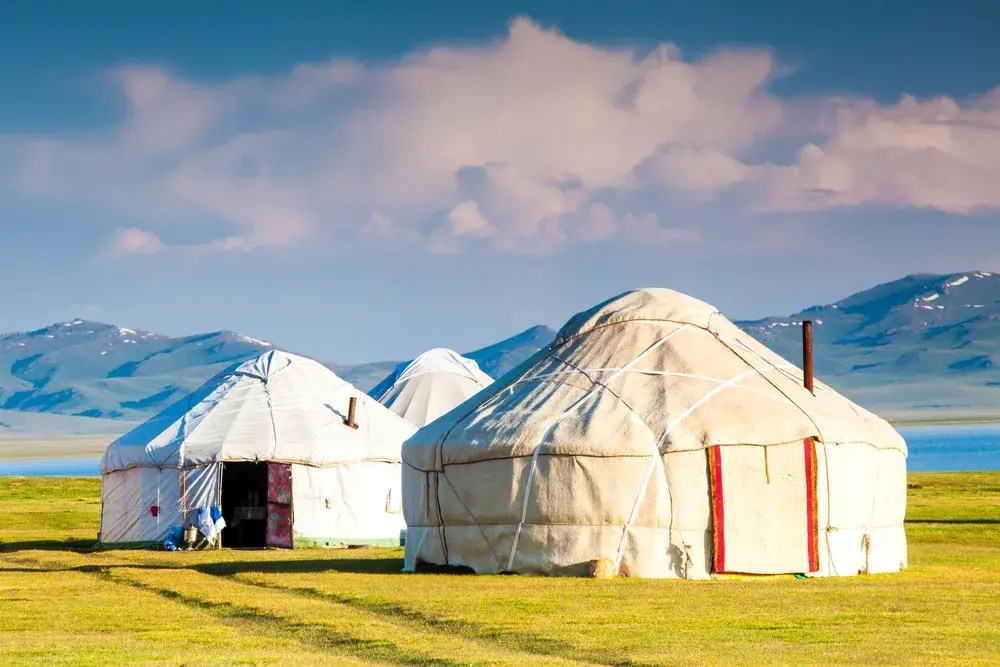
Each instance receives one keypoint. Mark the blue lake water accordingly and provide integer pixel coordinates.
(932, 449)
(953, 448)
(52, 468)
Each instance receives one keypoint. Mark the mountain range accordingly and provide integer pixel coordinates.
(925, 345)
(922, 346)
(106, 372)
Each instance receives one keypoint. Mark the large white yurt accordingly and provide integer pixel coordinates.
(273, 443)
(656, 438)
(429, 386)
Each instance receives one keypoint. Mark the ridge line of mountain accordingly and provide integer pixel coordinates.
(922, 343)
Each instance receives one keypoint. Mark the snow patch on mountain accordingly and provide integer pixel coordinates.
(255, 341)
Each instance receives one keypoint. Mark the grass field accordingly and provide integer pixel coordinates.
(61, 603)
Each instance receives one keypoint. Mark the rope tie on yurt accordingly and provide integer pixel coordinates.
(866, 540)
(580, 401)
(829, 511)
(270, 412)
(866, 543)
(482, 532)
(440, 516)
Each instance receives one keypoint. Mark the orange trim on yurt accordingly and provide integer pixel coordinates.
(812, 509)
(718, 513)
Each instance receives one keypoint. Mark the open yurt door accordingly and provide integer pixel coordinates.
(764, 515)
(279, 505)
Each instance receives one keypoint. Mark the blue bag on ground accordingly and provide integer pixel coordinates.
(173, 538)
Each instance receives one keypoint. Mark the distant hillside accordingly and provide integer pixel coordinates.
(16, 425)
(89, 369)
(924, 345)
(921, 344)
(497, 359)
(494, 360)
(105, 372)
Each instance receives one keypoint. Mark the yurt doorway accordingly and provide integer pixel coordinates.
(257, 505)
(764, 511)
(244, 505)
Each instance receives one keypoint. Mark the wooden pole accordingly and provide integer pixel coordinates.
(352, 406)
(807, 355)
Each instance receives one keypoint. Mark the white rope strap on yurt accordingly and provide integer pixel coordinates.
(687, 376)
(656, 450)
(465, 366)
(472, 516)
(808, 413)
(270, 412)
(580, 401)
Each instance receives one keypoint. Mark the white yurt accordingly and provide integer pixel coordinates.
(275, 445)
(654, 438)
(429, 386)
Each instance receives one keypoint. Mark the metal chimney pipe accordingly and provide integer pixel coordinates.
(807, 355)
(352, 406)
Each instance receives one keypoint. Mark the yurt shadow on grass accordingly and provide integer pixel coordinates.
(291, 454)
(653, 438)
(376, 565)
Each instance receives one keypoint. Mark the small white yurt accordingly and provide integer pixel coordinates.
(429, 386)
(274, 444)
(654, 438)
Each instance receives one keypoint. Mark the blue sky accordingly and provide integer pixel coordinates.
(364, 183)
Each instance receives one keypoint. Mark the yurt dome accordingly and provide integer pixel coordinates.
(275, 444)
(431, 385)
(655, 434)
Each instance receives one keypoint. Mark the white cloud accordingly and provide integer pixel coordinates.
(601, 223)
(525, 145)
(135, 241)
(936, 154)
(701, 170)
(466, 220)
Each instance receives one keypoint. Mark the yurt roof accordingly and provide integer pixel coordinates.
(648, 369)
(275, 407)
(437, 360)
(431, 385)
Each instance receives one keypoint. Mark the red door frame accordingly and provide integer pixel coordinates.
(279, 505)
(718, 513)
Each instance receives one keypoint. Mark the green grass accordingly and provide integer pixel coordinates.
(63, 603)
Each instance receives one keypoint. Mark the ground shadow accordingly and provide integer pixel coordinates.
(74, 544)
(407, 617)
(397, 613)
(974, 522)
(304, 566)
(316, 636)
